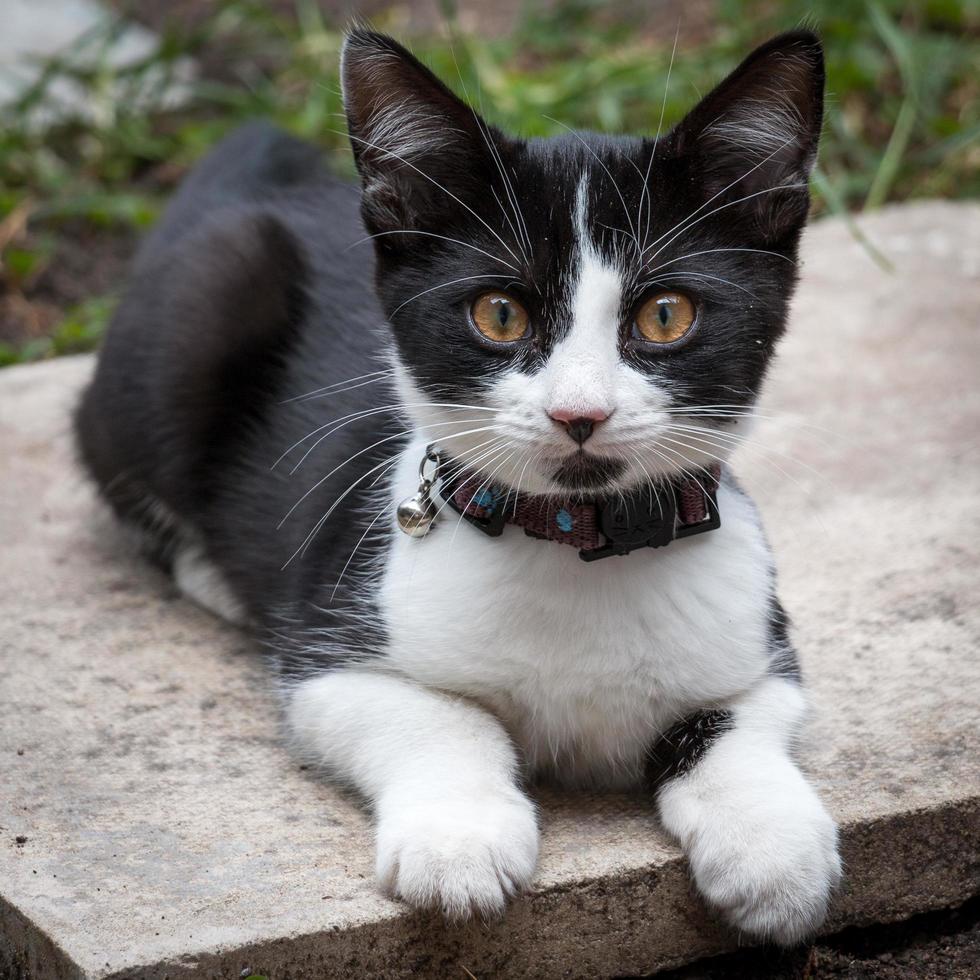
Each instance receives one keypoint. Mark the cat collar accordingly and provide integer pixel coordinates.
(649, 517)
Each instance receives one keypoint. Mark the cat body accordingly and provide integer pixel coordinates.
(288, 354)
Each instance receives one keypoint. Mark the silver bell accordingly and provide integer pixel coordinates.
(416, 515)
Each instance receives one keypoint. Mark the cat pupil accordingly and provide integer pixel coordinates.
(664, 314)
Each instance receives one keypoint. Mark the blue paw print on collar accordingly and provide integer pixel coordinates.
(564, 521)
(486, 500)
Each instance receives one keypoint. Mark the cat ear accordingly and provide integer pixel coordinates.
(755, 136)
(409, 133)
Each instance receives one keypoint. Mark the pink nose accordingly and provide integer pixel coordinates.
(579, 424)
(571, 414)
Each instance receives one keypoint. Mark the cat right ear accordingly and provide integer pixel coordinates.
(753, 140)
(413, 139)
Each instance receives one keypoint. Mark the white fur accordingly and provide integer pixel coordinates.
(403, 131)
(193, 572)
(203, 583)
(765, 126)
(454, 831)
(584, 662)
(589, 663)
(582, 372)
(760, 127)
(513, 641)
(394, 128)
(762, 847)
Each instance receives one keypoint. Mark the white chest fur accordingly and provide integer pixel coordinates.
(585, 663)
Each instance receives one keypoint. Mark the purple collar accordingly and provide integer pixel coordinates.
(617, 525)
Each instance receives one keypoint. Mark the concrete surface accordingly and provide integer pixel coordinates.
(151, 824)
(77, 32)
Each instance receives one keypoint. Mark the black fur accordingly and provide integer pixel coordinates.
(785, 662)
(244, 296)
(683, 745)
(253, 291)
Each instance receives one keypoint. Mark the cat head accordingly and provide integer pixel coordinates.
(584, 313)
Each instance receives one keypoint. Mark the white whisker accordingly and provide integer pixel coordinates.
(714, 197)
(441, 285)
(660, 125)
(701, 275)
(374, 375)
(436, 183)
(488, 482)
(396, 435)
(730, 204)
(444, 238)
(368, 412)
(710, 251)
(619, 193)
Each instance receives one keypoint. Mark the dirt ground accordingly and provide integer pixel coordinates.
(86, 262)
(942, 945)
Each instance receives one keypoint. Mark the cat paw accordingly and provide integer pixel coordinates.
(465, 856)
(774, 891)
(769, 865)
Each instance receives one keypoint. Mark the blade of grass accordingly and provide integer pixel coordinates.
(898, 142)
(837, 207)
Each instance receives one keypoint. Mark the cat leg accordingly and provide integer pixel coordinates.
(761, 845)
(454, 831)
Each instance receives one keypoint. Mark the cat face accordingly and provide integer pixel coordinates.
(584, 313)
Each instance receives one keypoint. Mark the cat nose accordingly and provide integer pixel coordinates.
(579, 425)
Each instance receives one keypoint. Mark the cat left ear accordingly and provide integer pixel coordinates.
(408, 131)
(755, 136)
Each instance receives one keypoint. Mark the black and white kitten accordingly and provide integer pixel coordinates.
(567, 325)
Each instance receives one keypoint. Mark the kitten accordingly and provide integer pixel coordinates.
(566, 336)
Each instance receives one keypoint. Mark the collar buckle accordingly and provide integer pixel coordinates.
(648, 520)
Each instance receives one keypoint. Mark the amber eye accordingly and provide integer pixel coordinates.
(665, 318)
(500, 318)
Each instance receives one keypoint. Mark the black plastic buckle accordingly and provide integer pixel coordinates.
(646, 520)
(711, 523)
(492, 525)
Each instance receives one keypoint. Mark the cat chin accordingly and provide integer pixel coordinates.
(588, 473)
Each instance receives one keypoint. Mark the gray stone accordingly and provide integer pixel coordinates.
(152, 824)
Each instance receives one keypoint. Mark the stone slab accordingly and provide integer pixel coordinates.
(152, 825)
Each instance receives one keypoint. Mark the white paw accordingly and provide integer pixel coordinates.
(464, 855)
(765, 856)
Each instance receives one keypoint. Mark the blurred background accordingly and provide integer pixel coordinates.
(104, 104)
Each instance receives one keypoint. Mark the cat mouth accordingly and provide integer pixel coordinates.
(584, 471)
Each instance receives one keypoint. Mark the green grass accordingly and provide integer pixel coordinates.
(79, 330)
(903, 101)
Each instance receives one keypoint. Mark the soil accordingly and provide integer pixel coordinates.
(86, 262)
(942, 945)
